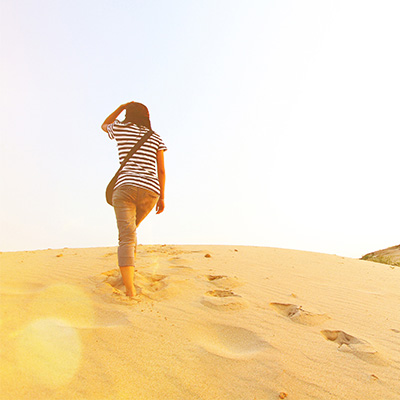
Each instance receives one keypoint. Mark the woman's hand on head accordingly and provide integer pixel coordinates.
(124, 105)
(160, 206)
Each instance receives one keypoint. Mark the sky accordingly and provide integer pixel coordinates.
(281, 120)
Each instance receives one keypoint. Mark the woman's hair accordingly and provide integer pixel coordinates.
(137, 113)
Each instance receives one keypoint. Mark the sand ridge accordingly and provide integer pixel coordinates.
(209, 322)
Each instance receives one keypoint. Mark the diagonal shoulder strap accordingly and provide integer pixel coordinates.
(110, 186)
(134, 150)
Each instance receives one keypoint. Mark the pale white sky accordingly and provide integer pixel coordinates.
(281, 119)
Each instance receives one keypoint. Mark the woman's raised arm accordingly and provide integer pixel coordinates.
(113, 116)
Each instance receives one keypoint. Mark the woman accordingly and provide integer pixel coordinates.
(140, 185)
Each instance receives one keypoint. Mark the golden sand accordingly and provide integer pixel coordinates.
(241, 323)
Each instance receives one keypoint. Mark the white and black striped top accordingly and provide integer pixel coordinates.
(141, 169)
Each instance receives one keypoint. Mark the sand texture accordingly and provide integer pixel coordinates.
(209, 323)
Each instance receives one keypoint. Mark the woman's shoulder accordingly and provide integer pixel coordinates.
(156, 136)
(159, 141)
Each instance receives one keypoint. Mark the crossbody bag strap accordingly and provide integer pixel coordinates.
(133, 150)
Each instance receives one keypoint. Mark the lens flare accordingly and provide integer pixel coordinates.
(49, 352)
(66, 302)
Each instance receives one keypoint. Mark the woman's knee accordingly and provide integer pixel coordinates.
(127, 235)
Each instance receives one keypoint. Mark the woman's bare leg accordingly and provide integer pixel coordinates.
(127, 277)
(131, 206)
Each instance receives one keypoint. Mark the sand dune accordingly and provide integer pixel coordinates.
(209, 322)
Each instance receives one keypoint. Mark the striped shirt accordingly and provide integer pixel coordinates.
(141, 169)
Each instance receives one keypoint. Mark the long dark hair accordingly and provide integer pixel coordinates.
(137, 113)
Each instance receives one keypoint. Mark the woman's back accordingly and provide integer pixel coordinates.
(141, 169)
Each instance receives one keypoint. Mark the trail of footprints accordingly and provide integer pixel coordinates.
(360, 348)
(151, 286)
(220, 296)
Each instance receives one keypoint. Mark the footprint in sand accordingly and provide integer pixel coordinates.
(109, 282)
(147, 285)
(223, 300)
(228, 341)
(151, 285)
(181, 269)
(297, 314)
(179, 261)
(223, 281)
(110, 254)
(343, 338)
(180, 265)
(358, 347)
(222, 293)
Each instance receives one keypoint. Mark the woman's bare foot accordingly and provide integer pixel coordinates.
(131, 293)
